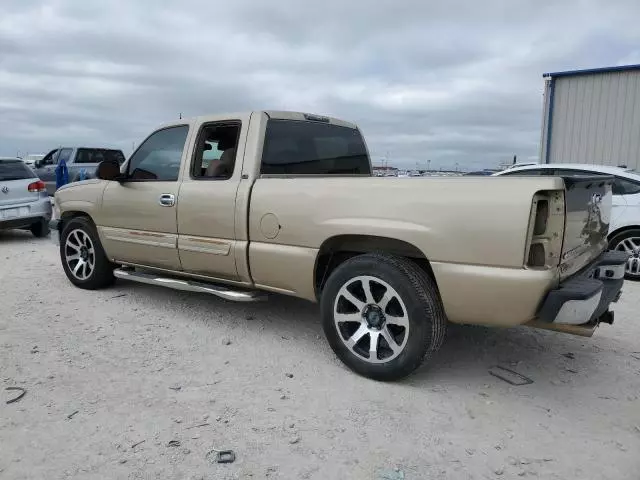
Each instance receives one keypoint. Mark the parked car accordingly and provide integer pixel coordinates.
(24, 203)
(81, 163)
(290, 206)
(624, 226)
(30, 159)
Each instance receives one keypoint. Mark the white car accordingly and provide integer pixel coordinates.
(624, 228)
(24, 203)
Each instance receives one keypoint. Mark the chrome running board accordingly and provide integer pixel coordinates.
(190, 286)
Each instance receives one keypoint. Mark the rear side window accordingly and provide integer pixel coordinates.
(312, 148)
(623, 186)
(97, 155)
(577, 173)
(15, 170)
(525, 173)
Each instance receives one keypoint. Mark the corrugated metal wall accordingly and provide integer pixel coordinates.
(596, 119)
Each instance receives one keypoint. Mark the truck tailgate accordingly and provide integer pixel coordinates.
(588, 209)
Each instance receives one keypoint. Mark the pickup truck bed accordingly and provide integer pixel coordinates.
(242, 204)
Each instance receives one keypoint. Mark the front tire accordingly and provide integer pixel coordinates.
(382, 315)
(629, 242)
(83, 258)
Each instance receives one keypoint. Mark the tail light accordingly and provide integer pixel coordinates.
(38, 186)
(546, 230)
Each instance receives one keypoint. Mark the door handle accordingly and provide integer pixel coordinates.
(167, 200)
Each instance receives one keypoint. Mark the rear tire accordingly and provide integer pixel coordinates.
(83, 258)
(386, 330)
(40, 229)
(629, 242)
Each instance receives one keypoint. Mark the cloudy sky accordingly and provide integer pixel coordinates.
(451, 82)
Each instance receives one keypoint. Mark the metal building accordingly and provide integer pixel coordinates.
(592, 116)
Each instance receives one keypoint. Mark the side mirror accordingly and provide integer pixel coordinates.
(108, 170)
(37, 163)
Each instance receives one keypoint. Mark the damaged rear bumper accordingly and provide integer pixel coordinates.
(584, 299)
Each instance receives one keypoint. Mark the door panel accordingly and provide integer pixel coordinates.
(136, 228)
(207, 210)
(629, 192)
(206, 224)
(629, 215)
(137, 221)
(618, 210)
(46, 171)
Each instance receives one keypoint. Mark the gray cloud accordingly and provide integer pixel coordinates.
(451, 82)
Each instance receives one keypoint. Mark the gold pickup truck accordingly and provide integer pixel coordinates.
(244, 204)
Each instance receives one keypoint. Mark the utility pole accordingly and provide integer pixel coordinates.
(180, 116)
(429, 165)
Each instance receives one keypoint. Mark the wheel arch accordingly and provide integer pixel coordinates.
(69, 215)
(620, 230)
(337, 249)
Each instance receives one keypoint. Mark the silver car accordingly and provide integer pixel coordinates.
(24, 202)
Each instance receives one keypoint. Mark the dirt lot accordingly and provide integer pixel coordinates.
(113, 376)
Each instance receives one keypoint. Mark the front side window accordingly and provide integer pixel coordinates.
(312, 148)
(622, 186)
(48, 158)
(159, 157)
(65, 154)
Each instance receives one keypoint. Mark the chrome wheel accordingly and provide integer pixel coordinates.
(631, 245)
(79, 253)
(371, 319)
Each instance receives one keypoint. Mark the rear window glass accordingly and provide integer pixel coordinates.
(97, 155)
(312, 148)
(15, 170)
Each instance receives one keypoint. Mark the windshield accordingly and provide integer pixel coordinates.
(15, 170)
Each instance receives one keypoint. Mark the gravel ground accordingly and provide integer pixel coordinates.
(114, 376)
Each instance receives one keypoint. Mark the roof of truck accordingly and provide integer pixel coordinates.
(277, 114)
